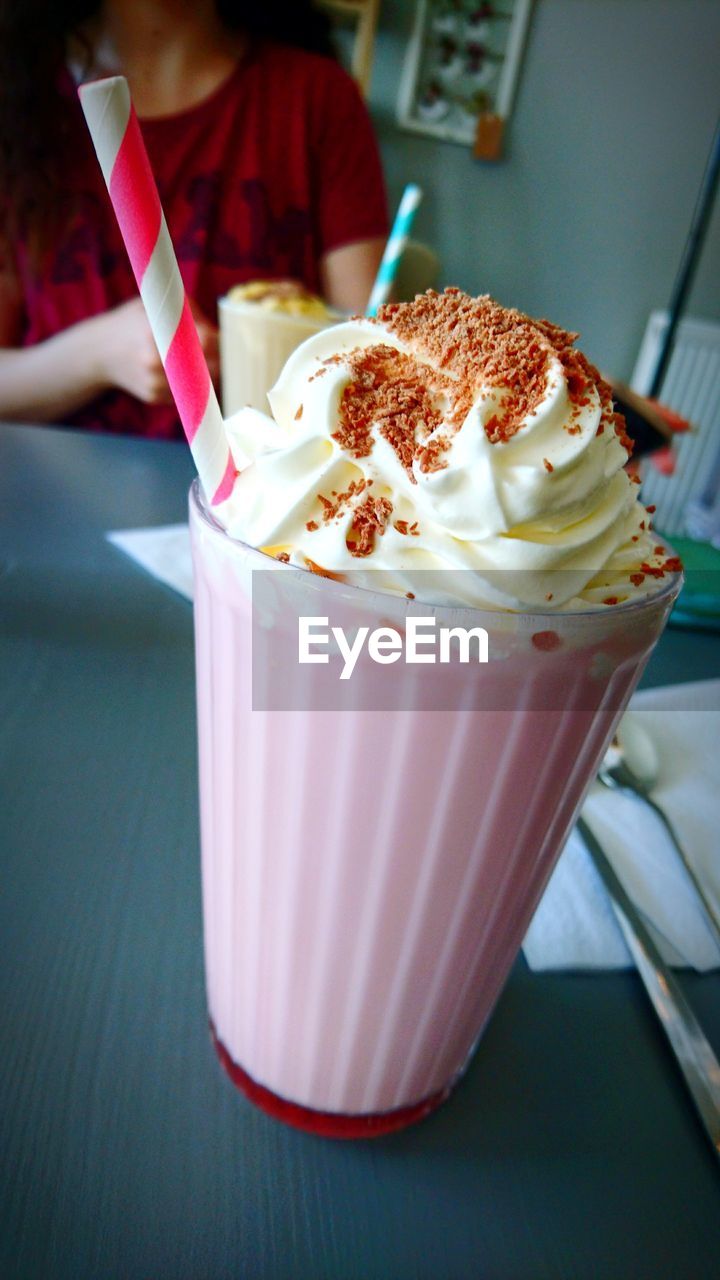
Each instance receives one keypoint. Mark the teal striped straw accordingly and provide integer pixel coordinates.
(411, 197)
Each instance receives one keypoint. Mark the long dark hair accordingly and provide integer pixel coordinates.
(35, 116)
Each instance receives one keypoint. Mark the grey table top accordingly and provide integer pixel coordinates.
(569, 1149)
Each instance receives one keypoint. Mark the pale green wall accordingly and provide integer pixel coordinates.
(585, 220)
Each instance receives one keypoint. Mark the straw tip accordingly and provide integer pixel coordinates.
(104, 85)
(411, 197)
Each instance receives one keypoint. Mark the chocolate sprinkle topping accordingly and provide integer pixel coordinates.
(395, 392)
(460, 344)
(369, 519)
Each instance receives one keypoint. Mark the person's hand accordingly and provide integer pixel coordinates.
(128, 356)
(116, 349)
(126, 353)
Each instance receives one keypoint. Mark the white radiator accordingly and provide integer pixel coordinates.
(692, 388)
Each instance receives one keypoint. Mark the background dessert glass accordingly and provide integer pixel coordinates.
(368, 876)
(254, 345)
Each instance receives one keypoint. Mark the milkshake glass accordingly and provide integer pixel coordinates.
(254, 345)
(369, 875)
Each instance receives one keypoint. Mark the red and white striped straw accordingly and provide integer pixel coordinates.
(120, 149)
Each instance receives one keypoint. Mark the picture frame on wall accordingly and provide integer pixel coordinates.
(461, 70)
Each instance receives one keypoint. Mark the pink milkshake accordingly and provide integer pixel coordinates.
(369, 873)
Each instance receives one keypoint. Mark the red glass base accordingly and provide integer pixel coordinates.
(325, 1124)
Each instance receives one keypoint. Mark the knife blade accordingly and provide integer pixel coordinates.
(694, 1055)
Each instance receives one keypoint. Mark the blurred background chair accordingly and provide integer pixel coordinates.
(418, 270)
(690, 385)
(355, 23)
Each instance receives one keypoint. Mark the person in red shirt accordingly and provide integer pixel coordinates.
(266, 165)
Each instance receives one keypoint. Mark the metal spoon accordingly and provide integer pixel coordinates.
(631, 766)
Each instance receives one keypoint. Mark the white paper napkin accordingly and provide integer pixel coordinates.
(164, 551)
(574, 926)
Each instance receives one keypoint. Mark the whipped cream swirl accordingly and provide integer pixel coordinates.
(448, 434)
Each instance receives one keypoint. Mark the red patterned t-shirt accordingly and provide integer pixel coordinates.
(260, 180)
